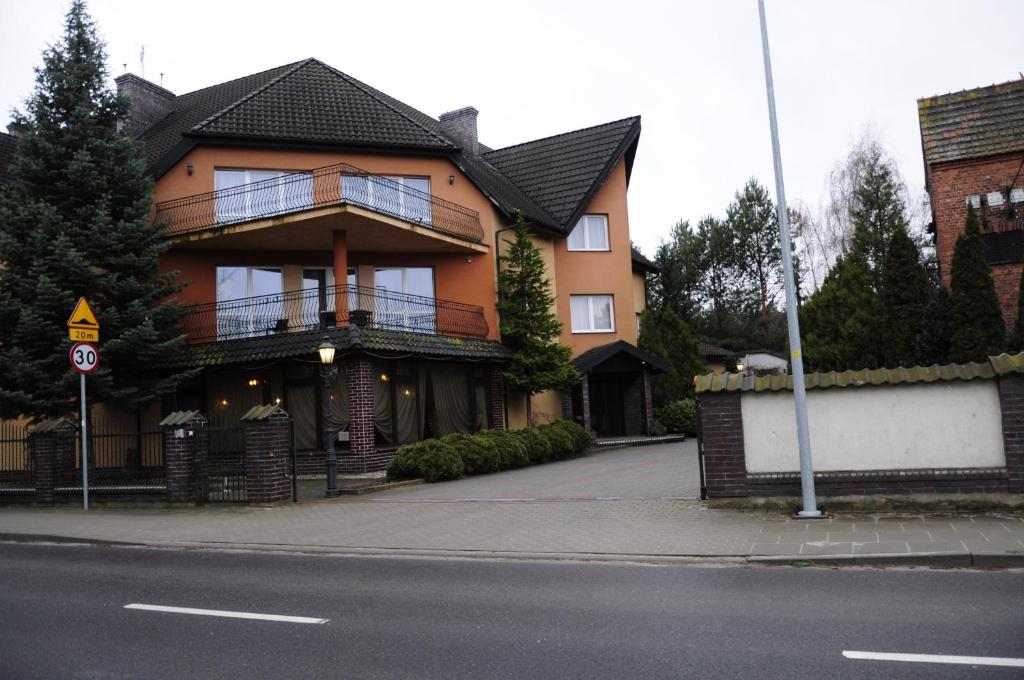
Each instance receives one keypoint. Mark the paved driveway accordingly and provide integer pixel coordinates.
(656, 471)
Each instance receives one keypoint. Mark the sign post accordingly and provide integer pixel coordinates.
(84, 328)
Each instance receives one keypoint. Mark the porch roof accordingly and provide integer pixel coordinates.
(596, 356)
(347, 339)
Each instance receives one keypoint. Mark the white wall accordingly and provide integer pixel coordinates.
(938, 425)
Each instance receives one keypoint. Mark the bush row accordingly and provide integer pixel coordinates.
(679, 417)
(489, 451)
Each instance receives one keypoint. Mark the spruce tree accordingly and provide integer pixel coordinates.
(976, 320)
(840, 321)
(876, 213)
(668, 337)
(932, 345)
(1016, 342)
(528, 326)
(904, 295)
(74, 222)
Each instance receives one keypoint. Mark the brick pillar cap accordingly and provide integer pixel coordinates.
(180, 418)
(264, 412)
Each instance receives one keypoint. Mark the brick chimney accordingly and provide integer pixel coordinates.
(149, 102)
(460, 126)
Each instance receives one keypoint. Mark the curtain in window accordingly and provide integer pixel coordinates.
(300, 401)
(382, 406)
(453, 400)
(339, 402)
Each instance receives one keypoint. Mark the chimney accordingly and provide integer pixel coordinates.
(149, 102)
(460, 125)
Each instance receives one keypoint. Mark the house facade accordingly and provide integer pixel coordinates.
(973, 145)
(306, 207)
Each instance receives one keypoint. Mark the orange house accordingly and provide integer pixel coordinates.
(306, 208)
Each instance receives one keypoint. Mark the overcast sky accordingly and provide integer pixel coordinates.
(692, 70)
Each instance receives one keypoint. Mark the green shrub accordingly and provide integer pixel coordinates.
(538, 448)
(680, 417)
(657, 429)
(562, 444)
(582, 439)
(479, 454)
(432, 459)
(511, 449)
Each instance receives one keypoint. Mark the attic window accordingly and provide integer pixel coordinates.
(590, 233)
(974, 201)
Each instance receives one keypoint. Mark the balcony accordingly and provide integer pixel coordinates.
(316, 309)
(318, 198)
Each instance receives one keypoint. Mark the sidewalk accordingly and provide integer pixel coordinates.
(640, 530)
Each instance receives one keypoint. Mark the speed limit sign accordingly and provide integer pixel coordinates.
(84, 357)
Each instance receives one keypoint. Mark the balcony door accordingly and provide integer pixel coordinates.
(405, 299)
(318, 296)
(250, 194)
(250, 301)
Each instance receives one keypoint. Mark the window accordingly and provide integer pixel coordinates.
(405, 298)
(590, 233)
(406, 197)
(238, 315)
(247, 194)
(592, 313)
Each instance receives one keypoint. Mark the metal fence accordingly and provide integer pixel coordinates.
(15, 459)
(221, 477)
(330, 185)
(331, 306)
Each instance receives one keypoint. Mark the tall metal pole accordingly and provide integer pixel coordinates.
(85, 445)
(328, 373)
(796, 358)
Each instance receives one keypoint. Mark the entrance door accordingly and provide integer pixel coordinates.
(607, 408)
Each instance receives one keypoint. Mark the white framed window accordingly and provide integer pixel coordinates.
(249, 301)
(407, 197)
(592, 313)
(590, 233)
(248, 194)
(405, 299)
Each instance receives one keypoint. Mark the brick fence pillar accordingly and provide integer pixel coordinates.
(362, 443)
(585, 401)
(648, 396)
(186, 442)
(52, 448)
(496, 395)
(268, 444)
(721, 441)
(1011, 404)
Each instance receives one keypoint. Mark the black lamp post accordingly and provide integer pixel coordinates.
(328, 374)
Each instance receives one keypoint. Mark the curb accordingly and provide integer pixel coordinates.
(937, 560)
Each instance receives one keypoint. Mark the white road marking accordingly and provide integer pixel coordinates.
(225, 614)
(937, 658)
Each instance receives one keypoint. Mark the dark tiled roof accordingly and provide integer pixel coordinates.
(563, 172)
(642, 263)
(347, 340)
(596, 356)
(1003, 364)
(8, 144)
(706, 350)
(982, 122)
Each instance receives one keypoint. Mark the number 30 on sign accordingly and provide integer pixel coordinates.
(84, 357)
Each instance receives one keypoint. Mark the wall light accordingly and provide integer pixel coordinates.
(277, 400)
(407, 392)
(223, 402)
(451, 179)
(384, 377)
(253, 382)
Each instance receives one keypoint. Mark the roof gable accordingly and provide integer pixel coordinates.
(562, 173)
(985, 121)
(596, 356)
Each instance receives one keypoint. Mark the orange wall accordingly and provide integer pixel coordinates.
(600, 273)
(455, 278)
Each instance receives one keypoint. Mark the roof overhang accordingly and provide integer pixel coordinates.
(594, 358)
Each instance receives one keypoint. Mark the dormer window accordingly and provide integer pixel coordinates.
(590, 233)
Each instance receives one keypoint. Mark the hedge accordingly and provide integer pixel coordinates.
(489, 451)
(679, 417)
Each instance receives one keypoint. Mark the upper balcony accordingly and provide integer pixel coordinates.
(300, 210)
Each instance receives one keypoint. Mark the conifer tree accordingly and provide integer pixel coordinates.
(976, 320)
(932, 345)
(668, 337)
(1016, 342)
(839, 322)
(75, 221)
(876, 213)
(528, 326)
(904, 295)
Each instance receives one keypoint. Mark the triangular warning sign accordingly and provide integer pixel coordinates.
(83, 317)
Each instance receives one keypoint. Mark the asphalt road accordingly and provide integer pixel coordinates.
(63, 615)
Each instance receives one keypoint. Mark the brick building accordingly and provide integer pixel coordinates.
(973, 143)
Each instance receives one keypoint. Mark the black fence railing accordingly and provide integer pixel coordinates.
(299, 191)
(331, 306)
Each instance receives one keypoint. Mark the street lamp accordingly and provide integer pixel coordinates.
(328, 375)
